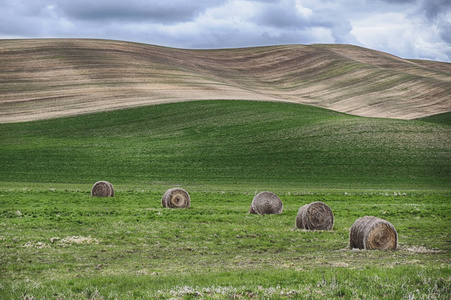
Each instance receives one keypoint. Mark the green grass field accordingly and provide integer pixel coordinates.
(444, 118)
(58, 242)
(229, 143)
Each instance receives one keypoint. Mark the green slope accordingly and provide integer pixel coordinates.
(228, 143)
(444, 118)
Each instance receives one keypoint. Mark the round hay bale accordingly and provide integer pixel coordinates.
(266, 203)
(176, 198)
(112, 189)
(373, 233)
(102, 189)
(315, 216)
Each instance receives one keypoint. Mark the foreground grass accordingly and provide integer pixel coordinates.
(64, 244)
(57, 242)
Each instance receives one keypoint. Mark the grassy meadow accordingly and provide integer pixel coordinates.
(58, 242)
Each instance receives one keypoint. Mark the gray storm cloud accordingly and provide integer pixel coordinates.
(438, 13)
(407, 28)
(165, 12)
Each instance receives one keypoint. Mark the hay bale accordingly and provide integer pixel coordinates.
(176, 198)
(112, 189)
(102, 189)
(266, 203)
(315, 216)
(373, 233)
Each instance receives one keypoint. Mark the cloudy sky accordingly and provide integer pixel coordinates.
(406, 28)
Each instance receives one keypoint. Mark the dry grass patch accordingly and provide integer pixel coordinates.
(79, 240)
(37, 245)
(419, 249)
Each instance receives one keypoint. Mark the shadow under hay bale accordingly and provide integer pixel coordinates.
(373, 233)
(315, 216)
(266, 203)
(176, 198)
(102, 189)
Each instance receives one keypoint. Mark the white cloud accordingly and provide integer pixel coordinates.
(306, 12)
(402, 34)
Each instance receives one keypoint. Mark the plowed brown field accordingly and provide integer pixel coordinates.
(48, 78)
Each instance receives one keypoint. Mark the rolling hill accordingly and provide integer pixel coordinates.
(230, 144)
(50, 78)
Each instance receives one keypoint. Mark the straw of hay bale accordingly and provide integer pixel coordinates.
(102, 189)
(266, 203)
(176, 198)
(373, 233)
(315, 216)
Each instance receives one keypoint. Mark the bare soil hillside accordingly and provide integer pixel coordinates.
(48, 78)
